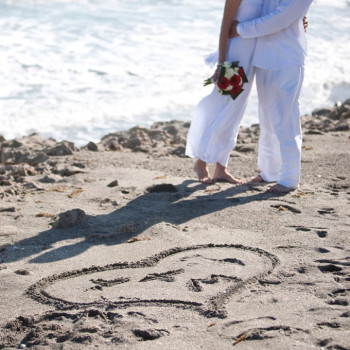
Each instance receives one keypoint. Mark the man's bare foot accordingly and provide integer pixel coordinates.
(201, 169)
(256, 179)
(222, 174)
(280, 189)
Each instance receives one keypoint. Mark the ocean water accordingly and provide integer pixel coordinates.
(80, 69)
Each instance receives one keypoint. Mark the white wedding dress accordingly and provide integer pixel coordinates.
(215, 125)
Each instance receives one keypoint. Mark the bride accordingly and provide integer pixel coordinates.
(214, 128)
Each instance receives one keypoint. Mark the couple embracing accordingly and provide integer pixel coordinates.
(267, 37)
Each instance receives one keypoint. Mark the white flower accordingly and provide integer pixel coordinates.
(229, 73)
(227, 64)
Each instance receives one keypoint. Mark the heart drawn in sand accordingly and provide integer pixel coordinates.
(201, 278)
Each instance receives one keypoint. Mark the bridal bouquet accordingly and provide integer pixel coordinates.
(231, 80)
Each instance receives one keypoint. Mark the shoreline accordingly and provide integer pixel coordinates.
(117, 245)
(169, 136)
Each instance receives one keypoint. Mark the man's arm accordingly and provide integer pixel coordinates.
(285, 14)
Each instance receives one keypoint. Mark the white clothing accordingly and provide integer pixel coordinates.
(215, 125)
(279, 58)
(281, 37)
(280, 139)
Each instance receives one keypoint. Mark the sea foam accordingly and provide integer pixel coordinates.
(80, 69)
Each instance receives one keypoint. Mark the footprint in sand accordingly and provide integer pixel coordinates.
(320, 231)
(329, 268)
(340, 270)
(323, 250)
(322, 234)
(326, 211)
(286, 208)
(265, 333)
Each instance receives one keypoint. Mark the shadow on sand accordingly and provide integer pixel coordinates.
(177, 207)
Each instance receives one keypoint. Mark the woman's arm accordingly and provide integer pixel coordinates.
(230, 11)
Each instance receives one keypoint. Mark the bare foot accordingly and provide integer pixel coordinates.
(280, 189)
(201, 169)
(222, 174)
(256, 179)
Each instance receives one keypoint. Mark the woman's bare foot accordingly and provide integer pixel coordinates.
(221, 173)
(201, 169)
(280, 189)
(257, 178)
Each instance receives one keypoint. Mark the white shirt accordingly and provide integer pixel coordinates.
(281, 40)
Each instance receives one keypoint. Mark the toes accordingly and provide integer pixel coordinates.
(207, 180)
(255, 179)
(279, 190)
(237, 181)
(228, 179)
(273, 190)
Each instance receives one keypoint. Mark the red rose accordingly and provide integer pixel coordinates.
(235, 80)
(241, 72)
(236, 89)
(223, 83)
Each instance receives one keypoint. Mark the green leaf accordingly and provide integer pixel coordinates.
(222, 73)
(245, 79)
(207, 82)
(235, 96)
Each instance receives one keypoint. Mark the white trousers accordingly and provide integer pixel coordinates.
(215, 125)
(280, 140)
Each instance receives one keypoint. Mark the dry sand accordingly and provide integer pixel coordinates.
(125, 249)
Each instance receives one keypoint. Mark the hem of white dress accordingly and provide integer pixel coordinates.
(206, 159)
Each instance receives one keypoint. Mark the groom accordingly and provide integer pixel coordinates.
(279, 59)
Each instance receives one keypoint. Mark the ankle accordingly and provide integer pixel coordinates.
(220, 167)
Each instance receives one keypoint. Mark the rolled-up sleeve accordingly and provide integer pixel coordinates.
(286, 13)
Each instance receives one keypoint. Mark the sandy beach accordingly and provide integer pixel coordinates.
(117, 245)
